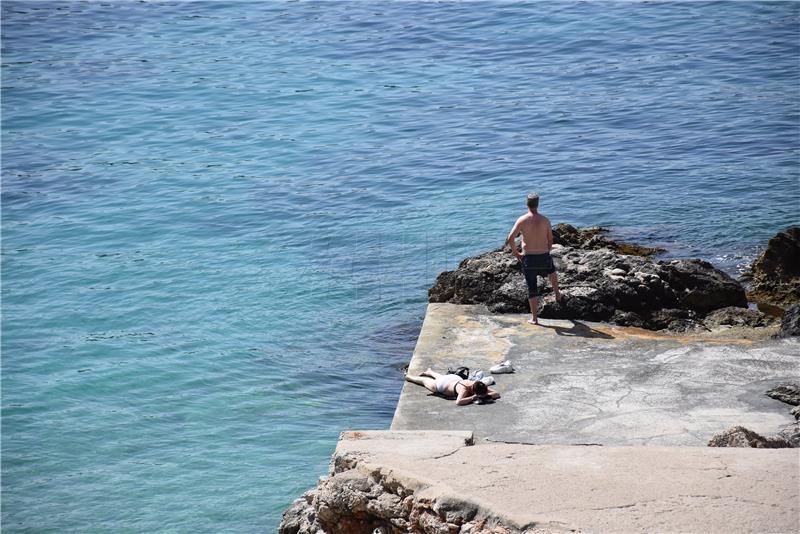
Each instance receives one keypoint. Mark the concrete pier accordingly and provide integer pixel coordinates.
(533, 465)
(556, 488)
(600, 429)
(591, 383)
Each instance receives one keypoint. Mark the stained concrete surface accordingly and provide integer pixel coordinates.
(578, 382)
(586, 488)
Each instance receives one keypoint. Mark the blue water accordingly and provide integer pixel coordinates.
(219, 220)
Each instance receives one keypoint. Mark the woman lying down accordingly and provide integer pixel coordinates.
(465, 391)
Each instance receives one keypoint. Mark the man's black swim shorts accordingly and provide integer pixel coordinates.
(534, 265)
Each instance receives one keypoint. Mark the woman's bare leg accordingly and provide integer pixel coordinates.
(424, 381)
(431, 373)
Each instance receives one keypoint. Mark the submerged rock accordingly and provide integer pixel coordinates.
(775, 274)
(739, 436)
(599, 283)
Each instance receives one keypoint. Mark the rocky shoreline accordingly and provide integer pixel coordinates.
(620, 283)
(358, 497)
(602, 281)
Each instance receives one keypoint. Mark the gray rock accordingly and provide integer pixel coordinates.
(477, 279)
(739, 436)
(300, 518)
(353, 500)
(594, 238)
(701, 287)
(790, 324)
(788, 393)
(775, 274)
(676, 320)
(733, 316)
(598, 283)
(791, 434)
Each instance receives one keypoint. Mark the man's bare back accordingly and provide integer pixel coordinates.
(537, 240)
(537, 235)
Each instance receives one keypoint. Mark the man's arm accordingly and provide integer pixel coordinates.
(511, 240)
(549, 236)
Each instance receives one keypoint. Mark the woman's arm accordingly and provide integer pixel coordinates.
(464, 399)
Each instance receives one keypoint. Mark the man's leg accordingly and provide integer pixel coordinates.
(534, 303)
(554, 283)
(533, 289)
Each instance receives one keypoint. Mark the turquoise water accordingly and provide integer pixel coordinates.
(219, 220)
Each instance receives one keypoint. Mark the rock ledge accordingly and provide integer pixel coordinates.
(603, 280)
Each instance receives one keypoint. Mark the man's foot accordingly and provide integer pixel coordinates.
(533, 321)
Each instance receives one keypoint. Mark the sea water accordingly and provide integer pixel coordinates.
(219, 219)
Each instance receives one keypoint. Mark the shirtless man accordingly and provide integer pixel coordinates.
(537, 239)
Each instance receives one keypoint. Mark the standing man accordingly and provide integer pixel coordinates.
(537, 239)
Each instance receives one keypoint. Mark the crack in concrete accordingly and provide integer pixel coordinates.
(625, 396)
(451, 453)
(618, 507)
(736, 499)
(667, 502)
(508, 442)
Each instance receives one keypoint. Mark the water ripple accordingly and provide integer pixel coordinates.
(220, 219)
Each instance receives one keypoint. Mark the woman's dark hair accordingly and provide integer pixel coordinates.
(480, 388)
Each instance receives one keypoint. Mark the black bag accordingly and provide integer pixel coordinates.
(463, 372)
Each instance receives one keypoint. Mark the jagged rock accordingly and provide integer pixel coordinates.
(443, 289)
(788, 393)
(300, 517)
(788, 437)
(790, 324)
(477, 279)
(739, 436)
(347, 501)
(775, 274)
(598, 283)
(594, 238)
(791, 434)
(353, 500)
(702, 287)
(676, 320)
(732, 316)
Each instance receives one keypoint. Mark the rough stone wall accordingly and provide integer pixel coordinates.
(359, 499)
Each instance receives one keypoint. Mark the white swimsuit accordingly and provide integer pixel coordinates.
(445, 380)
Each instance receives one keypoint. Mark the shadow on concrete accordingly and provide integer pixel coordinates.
(578, 329)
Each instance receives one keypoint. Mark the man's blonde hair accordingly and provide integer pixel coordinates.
(533, 201)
